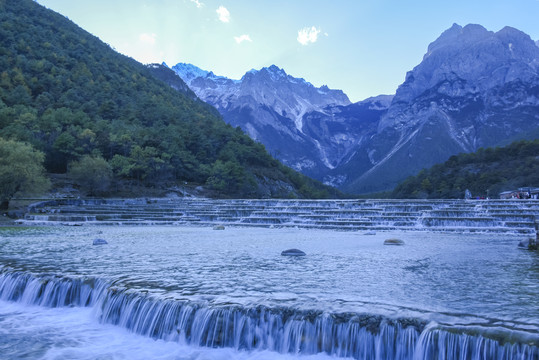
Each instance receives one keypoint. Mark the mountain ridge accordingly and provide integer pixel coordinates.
(474, 88)
(270, 106)
(210, 87)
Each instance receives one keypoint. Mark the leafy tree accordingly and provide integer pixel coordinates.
(92, 173)
(21, 171)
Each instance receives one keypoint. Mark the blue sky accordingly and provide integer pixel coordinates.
(364, 47)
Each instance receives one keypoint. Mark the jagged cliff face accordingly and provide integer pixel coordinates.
(474, 88)
(277, 110)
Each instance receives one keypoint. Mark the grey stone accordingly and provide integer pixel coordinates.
(100, 242)
(293, 252)
(398, 242)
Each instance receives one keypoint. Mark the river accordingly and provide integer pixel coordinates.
(191, 292)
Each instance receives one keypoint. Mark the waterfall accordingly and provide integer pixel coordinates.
(498, 216)
(438, 343)
(50, 291)
(283, 330)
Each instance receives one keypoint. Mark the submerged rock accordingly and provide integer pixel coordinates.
(293, 252)
(100, 242)
(370, 233)
(393, 242)
(219, 227)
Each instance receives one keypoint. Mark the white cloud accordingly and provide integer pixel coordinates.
(242, 38)
(224, 14)
(308, 35)
(198, 3)
(147, 38)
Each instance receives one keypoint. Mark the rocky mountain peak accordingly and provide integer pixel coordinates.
(273, 76)
(475, 57)
(276, 72)
(457, 34)
(270, 86)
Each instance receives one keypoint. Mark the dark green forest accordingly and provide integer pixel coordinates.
(70, 96)
(485, 173)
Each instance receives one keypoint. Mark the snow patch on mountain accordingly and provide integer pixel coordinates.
(271, 87)
(188, 72)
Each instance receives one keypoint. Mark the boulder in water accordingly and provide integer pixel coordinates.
(100, 242)
(293, 252)
(219, 227)
(370, 233)
(393, 242)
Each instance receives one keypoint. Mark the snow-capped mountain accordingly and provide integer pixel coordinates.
(270, 106)
(474, 88)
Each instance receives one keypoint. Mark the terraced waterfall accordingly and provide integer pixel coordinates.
(459, 287)
(431, 215)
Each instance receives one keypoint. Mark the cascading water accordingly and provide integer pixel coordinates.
(440, 296)
(358, 336)
(442, 215)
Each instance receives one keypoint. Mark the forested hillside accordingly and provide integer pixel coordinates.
(71, 96)
(486, 172)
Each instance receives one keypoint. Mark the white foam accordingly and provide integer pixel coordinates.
(33, 332)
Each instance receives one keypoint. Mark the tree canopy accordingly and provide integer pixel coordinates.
(486, 172)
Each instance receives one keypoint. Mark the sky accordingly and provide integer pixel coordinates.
(363, 47)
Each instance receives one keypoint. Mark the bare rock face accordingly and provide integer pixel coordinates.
(479, 59)
(474, 88)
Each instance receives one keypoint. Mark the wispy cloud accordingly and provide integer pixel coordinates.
(223, 13)
(308, 35)
(147, 38)
(198, 3)
(242, 38)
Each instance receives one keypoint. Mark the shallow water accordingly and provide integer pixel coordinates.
(482, 283)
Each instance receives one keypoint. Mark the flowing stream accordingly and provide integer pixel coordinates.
(191, 292)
